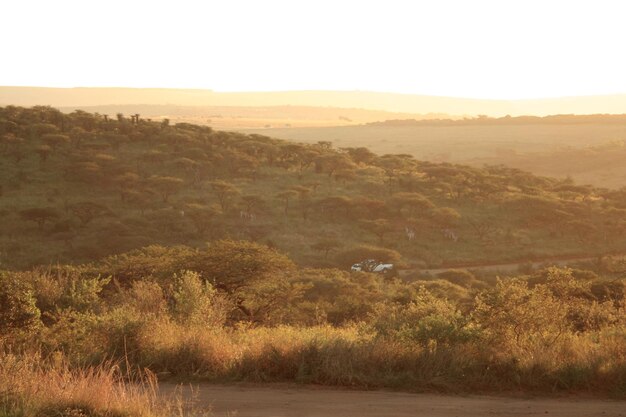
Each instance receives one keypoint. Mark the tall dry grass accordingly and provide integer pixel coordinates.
(30, 387)
(356, 357)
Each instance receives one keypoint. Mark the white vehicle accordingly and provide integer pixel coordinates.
(372, 265)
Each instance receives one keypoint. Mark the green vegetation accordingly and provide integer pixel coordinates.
(242, 311)
(184, 252)
(79, 187)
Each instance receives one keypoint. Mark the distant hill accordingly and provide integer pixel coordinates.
(588, 148)
(558, 119)
(251, 117)
(407, 103)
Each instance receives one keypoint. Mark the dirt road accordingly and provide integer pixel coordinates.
(293, 401)
(503, 268)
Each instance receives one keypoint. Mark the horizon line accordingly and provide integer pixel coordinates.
(200, 89)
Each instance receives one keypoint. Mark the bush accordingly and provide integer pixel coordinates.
(197, 303)
(427, 320)
(18, 309)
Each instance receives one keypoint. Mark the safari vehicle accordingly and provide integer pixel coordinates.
(372, 265)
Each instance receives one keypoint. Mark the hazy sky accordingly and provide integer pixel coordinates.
(478, 48)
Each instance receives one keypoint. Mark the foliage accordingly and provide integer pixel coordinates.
(18, 311)
(104, 185)
(426, 319)
(197, 302)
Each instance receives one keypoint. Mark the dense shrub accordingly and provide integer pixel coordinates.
(426, 319)
(18, 309)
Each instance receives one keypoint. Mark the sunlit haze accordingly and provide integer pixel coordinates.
(480, 49)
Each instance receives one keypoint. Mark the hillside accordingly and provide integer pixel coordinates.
(581, 147)
(78, 187)
(391, 102)
(136, 251)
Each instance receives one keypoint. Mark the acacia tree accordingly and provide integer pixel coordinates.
(333, 162)
(445, 217)
(55, 140)
(394, 166)
(411, 204)
(225, 192)
(360, 155)
(483, 228)
(336, 204)
(39, 215)
(304, 158)
(142, 199)
(166, 186)
(202, 216)
(379, 227)
(87, 211)
(254, 276)
(125, 182)
(326, 246)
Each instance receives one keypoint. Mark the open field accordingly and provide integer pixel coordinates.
(287, 400)
(254, 117)
(589, 153)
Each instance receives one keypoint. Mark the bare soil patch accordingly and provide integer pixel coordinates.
(277, 400)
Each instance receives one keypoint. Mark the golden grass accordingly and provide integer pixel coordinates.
(32, 387)
(354, 357)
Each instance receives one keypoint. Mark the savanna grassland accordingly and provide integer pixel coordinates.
(135, 250)
(588, 149)
(79, 187)
(253, 117)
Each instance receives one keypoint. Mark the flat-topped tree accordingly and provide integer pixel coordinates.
(166, 186)
(88, 211)
(326, 245)
(54, 140)
(202, 216)
(333, 162)
(225, 192)
(39, 215)
(125, 182)
(254, 276)
(394, 166)
(411, 204)
(360, 155)
(379, 227)
(445, 217)
(338, 204)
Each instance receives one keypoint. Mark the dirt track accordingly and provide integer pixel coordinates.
(289, 401)
(503, 268)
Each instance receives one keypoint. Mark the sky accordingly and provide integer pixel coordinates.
(501, 49)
